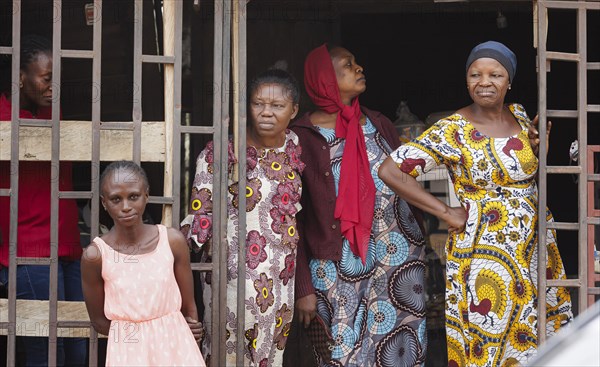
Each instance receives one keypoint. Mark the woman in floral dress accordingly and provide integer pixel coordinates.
(272, 200)
(491, 288)
(360, 256)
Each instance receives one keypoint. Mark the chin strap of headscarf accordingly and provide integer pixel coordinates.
(356, 192)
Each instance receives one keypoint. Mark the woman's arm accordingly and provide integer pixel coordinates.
(183, 276)
(410, 190)
(93, 288)
(534, 135)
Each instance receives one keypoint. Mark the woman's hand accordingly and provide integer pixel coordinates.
(456, 218)
(196, 327)
(306, 308)
(534, 135)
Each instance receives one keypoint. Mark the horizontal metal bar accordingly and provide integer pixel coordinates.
(593, 65)
(126, 125)
(77, 54)
(5, 50)
(160, 200)
(594, 177)
(563, 114)
(197, 129)
(4, 192)
(35, 123)
(202, 266)
(563, 226)
(158, 59)
(574, 283)
(572, 5)
(75, 194)
(563, 56)
(593, 221)
(73, 324)
(33, 261)
(594, 290)
(564, 170)
(593, 108)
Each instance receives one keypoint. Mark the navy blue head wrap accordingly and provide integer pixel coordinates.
(497, 51)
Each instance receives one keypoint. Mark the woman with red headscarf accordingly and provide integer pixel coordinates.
(360, 262)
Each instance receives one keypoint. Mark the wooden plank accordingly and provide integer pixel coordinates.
(76, 141)
(32, 318)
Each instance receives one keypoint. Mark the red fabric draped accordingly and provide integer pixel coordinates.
(356, 192)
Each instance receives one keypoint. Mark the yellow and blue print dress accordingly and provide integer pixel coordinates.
(491, 268)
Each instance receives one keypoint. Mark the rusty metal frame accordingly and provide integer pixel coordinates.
(580, 57)
(170, 200)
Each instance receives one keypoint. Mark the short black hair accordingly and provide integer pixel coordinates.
(31, 46)
(127, 166)
(280, 77)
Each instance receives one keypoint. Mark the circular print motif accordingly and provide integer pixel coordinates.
(381, 317)
(400, 348)
(392, 249)
(406, 288)
(323, 273)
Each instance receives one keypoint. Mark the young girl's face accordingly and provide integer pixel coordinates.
(271, 109)
(124, 197)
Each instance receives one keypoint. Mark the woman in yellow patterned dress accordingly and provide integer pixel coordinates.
(491, 287)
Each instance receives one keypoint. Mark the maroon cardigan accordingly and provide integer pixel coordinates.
(319, 231)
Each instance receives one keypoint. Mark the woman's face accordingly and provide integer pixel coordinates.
(488, 82)
(124, 196)
(271, 109)
(37, 82)
(350, 77)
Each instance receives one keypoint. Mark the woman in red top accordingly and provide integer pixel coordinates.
(33, 226)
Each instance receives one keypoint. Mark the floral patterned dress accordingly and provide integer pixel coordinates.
(376, 310)
(491, 293)
(272, 200)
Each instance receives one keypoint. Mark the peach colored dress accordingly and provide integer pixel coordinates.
(143, 302)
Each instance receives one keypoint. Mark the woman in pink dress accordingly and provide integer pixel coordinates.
(137, 280)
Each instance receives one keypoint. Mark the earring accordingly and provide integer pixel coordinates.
(509, 87)
(20, 84)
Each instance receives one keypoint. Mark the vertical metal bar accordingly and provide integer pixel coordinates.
(225, 104)
(172, 16)
(582, 162)
(54, 187)
(219, 205)
(137, 80)
(95, 169)
(239, 98)
(542, 111)
(176, 192)
(14, 185)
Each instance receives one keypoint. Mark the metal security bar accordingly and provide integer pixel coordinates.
(581, 114)
(101, 133)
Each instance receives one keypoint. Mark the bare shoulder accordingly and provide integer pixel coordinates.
(176, 240)
(92, 254)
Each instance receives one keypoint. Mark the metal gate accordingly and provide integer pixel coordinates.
(585, 281)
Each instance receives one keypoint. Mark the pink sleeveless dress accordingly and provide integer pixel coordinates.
(143, 302)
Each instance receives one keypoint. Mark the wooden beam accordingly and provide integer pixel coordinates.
(32, 318)
(76, 142)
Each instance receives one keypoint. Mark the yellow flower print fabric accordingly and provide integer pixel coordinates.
(491, 280)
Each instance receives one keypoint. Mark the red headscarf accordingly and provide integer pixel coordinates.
(356, 191)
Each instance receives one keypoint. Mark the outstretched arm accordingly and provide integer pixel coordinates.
(183, 275)
(410, 190)
(93, 288)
